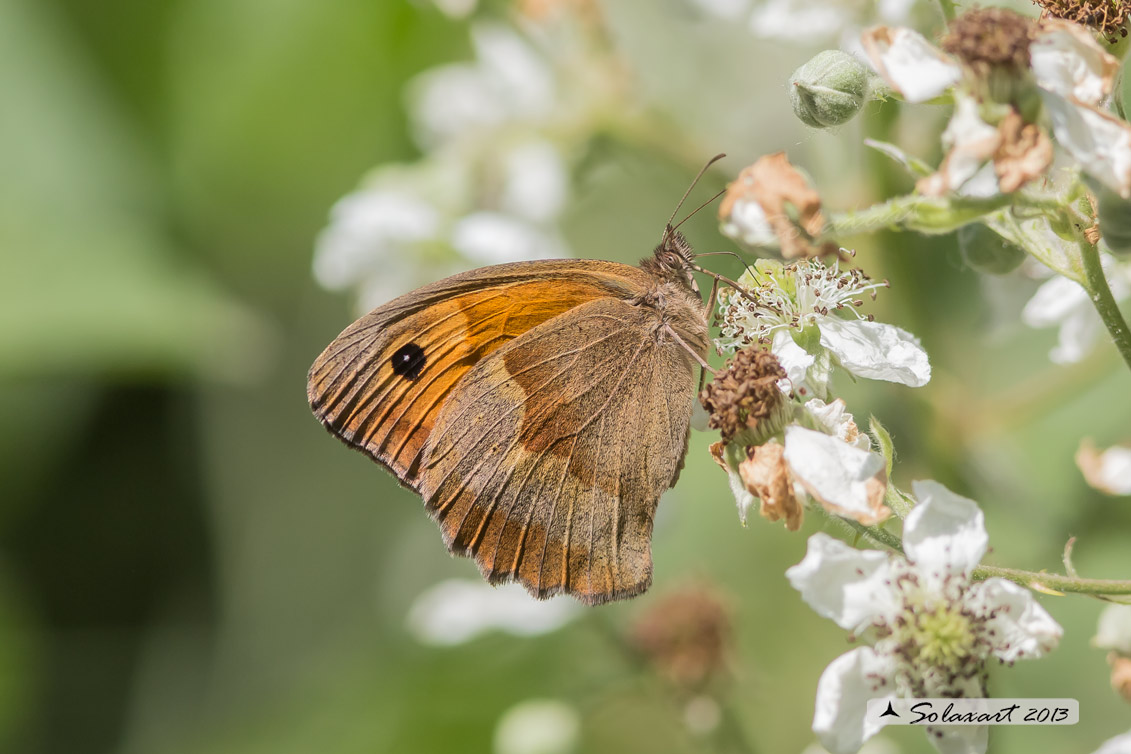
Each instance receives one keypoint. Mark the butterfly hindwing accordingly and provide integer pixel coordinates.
(548, 459)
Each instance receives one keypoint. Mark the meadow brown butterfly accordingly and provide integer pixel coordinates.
(539, 409)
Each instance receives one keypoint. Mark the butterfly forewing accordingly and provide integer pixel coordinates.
(381, 384)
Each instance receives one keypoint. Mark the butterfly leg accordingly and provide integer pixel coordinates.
(675, 336)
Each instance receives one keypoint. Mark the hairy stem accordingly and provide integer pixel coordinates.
(1105, 304)
(1055, 581)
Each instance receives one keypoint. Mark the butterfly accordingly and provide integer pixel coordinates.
(539, 408)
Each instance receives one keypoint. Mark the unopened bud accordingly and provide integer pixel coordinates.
(830, 89)
(985, 251)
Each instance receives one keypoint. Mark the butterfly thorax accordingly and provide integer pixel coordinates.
(673, 295)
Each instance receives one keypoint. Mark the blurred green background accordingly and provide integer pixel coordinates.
(190, 564)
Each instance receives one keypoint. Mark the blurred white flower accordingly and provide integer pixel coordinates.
(538, 726)
(1064, 303)
(795, 302)
(367, 229)
(508, 81)
(931, 629)
(1121, 744)
(970, 144)
(1066, 60)
(808, 21)
(535, 182)
(456, 611)
(801, 20)
(1108, 471)
(1114, 629)
(493, 238)
(1100, 142)
(1074, 73)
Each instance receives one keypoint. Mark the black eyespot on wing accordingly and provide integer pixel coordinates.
(408, 361)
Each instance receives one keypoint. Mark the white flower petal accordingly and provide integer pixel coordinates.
(838, 422)
(843, 692)
(794, 359)
(1100, 142)
(842, 583)
(1119, 745)
(1054, 300)
(909, 63)
(494, 238)
(1021, 628)
(747, 223)
(945, 532)
(876, 350)
(845, 479)
(971, 143)
(456, 611)
(1114, 629)
(1066, 59)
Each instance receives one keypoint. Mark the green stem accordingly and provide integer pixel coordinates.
(1046, 581)
(948, 9)
(1104, 302)
(925, 214)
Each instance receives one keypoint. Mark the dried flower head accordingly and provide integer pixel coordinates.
(766, 476)
(1024, 152)
(686, 635)
(745, 395)
(991, 38)
(1109, 17)
(772, 203)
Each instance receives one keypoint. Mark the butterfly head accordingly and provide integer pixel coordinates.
(672, 259)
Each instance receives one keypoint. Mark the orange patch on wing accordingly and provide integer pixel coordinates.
(389, 415)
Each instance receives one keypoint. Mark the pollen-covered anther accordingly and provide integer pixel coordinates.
(985, 38)
(1109, 17)
(745, 395)
(766, 476)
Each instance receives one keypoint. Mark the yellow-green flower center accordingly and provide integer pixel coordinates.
(945, 637)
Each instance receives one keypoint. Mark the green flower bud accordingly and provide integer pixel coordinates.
(1114, 214)
(830, 89)
(985, 251)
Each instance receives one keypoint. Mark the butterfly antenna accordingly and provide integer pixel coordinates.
(668, 228)
(701, 206)
(730, 253)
